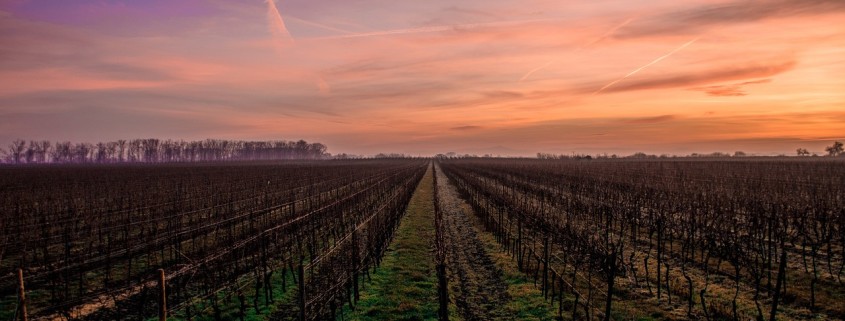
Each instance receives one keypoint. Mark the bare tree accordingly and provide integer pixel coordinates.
(43, 150)
(121, 150)
(835, 149)
(81, 152)
(150, 147)
(62, 152)
(16, 150)
(111, 151)
(101, 153)
(31, 151)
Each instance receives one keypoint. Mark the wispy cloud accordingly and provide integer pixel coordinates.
(475, 12)
(504, 94)
(468, 127)
(323, 86)
(699, 78)
(741, 11)
(650, 120)
(730, 90)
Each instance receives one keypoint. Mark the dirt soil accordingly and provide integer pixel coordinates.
(476, 284)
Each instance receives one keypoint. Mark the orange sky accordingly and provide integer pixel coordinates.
(423, 77)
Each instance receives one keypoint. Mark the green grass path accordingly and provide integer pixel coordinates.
(404, 287)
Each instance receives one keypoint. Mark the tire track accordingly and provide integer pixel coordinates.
(476, 284)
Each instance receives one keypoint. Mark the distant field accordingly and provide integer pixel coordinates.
(620, 239)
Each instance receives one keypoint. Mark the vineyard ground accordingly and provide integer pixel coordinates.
(641, 301)
(488, 223)
(404, 287)
(283, 298)
(638, 300)
(484, 280)
(485, 283)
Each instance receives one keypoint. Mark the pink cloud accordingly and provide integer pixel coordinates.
(730, 90)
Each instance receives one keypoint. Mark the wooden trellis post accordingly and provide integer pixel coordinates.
(22, 292)
(162, 307)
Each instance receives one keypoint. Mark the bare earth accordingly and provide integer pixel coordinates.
(475, 283)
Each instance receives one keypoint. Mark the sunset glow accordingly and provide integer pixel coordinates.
(425, 77)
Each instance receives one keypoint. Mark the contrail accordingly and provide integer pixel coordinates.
(433, 29)
(283, 38)
(277, 25)
(600, 38)
(606, 34)
(535, 70)
(646, 65)
(319, 25)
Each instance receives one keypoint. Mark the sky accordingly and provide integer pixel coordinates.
(504, 77)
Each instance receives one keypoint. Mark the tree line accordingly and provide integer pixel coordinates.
(835, 150)
(153, 150)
